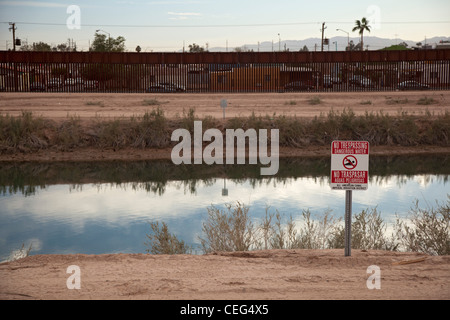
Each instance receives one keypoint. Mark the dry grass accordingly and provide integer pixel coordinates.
(29, 133)
(391, 101)
(426, 230)
(425, 101)
(315, 100)
(160, 241)
(228, 230)
(234, 229)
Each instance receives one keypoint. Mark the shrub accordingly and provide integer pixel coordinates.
(95, 103)
(20, 253)
(438, 132)
(228, 230)
(151, 102)
(151, 130)
(23, 133)
(315, 233)
(163, 242)
(368, 232)
(426, 230)
(111, 134)
(315, 100)
(281, 236)
(391, 101)
(187, 122)
(69, 134)
(426, 101)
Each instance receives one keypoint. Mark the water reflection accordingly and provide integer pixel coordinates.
(105, 207)
(153, 176)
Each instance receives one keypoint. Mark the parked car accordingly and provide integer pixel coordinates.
(73, 81)
(54, 83)
(361, 81)
(157, 88)
(173, 87)
(327, 82)
(166, 87)
(331, 79)
(335, 79)
(37, 86)
(298, 86)
(412, 85)
(365, 82)
(91, 85)
(73, 84)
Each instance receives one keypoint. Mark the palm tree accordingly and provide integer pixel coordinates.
(361, 26)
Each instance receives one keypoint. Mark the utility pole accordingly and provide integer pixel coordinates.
(16, 78)
(279, 43)
(13, 28)
(323, 31)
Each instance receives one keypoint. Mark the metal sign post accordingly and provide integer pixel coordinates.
(349, 171)
(348, 222)
(224, 189)
(224, 104)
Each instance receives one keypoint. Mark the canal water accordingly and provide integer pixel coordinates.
(106, 207)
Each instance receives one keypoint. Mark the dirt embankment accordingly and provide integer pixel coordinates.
(89, 107)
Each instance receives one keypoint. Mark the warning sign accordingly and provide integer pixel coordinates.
(349, 165)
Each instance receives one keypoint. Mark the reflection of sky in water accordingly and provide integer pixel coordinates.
(108, 218)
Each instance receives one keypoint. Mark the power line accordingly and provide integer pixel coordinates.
(169, 26)
(223, 25)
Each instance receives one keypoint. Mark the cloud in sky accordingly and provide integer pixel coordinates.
(34, 4)
(177, 2)
(182, 15)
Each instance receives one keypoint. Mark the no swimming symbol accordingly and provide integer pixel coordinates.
(350, 162)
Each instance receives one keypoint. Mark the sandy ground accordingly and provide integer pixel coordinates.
(277, 274)
(258, 275)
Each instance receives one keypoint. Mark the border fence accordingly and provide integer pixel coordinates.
(22, 71)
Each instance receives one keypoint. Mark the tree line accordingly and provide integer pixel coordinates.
(101, 43)
(104, 43)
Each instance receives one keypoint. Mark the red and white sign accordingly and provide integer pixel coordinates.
(349, 165)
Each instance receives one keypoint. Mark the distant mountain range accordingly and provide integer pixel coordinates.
(339, 43)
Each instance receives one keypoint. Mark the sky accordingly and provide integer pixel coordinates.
(168, 25)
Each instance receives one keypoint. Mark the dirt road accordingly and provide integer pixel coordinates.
(105, 105)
